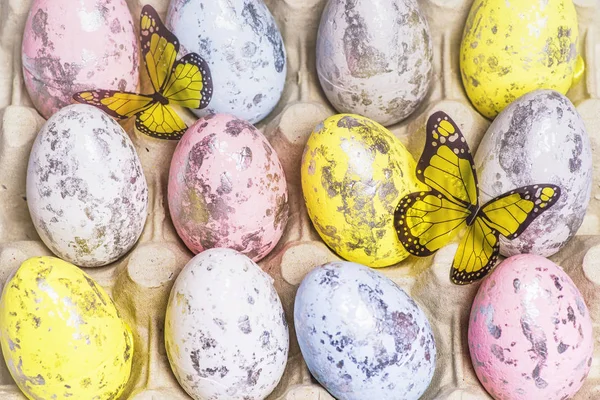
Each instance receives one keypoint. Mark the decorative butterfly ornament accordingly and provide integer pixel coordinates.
(185, 82)
(426, 221)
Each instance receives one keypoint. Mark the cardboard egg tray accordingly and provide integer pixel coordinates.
(140, 282)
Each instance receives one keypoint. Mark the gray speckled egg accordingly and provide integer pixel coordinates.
(240, 41)
(362, 336)
(539, 138)
(225, 330)
(374, 57)
(86, 190)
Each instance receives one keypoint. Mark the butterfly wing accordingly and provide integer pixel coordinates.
(159, 48)
(190, 84)
(119, 105)
(427, 221)
(477, 253)
(446, 164)
(511, 213)
(507, 215)
(161, 121)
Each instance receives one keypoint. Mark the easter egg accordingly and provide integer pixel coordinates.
(539, 139)
(530, 332)
(62, 337)
(70, 47)
(219, 348)
(510, 48)
(86, 191)
(354, 173)
(374, 57)
(361, 335)
(227, 188)
(241, 43)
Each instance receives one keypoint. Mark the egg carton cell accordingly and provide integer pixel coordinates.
(141, 281)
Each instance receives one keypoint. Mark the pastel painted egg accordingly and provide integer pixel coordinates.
(510, 48)
(530, 332)
(539, 138)
(61, 335)
(219, 348)
(354, 173)
(73, 46)
(374, 57)
(241, 43)
(86, 191)
(227, 188)
(361, 335)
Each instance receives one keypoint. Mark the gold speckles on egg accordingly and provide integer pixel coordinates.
(528, 46)
(354, 173)
(61, 334)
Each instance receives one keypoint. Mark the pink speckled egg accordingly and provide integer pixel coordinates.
(530, 332)
(227, 188)
(69, 46)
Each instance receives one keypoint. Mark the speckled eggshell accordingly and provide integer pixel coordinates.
(86, 190)
(530, 332)
(539, 138)
(241, 43)
(69, 46)
(62, 337)
(374, 57)
(510, 48)
(362, 336)
(225, 330)
(354, 173)
(227, 188)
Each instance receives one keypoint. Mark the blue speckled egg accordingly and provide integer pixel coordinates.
(361, 335)
(240, 41)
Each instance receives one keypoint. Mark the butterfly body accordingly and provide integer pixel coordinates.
(428, 220)
(186, 82)
(471, 218)
(159, 98)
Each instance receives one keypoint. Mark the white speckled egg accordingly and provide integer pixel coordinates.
(240, 41)
(530, 332)
(361, 335)
(374, 57)
(86, 190)
(539, 138)
(225, 329)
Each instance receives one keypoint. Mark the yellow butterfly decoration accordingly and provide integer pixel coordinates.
(186, 82)
(427, 221)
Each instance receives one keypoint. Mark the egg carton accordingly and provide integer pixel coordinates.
(141, 281)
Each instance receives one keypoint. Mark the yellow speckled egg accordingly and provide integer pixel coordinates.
(61, 334)
(510, 48)
(354, 173)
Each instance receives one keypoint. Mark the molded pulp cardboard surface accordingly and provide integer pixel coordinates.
(140, 282)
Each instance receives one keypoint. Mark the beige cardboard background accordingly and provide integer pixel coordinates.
(140, 282)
